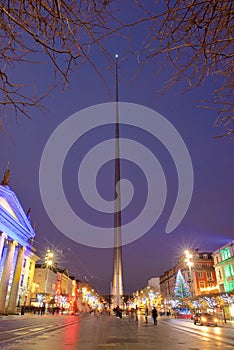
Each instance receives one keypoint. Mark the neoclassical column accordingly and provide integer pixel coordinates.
(6, 274)
(11, 309)
(3, 236)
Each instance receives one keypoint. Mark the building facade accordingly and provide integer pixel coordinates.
(55, 287)
(154, 283)
(45, 281)
(17, 256)
(224, 267)
(200, 276)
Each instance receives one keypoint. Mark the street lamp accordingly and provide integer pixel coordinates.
(49, 258)
(48, 263)
(189, 262)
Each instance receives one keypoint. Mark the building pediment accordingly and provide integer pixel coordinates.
(13, 220)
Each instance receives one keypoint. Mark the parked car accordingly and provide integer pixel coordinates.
(205, 319)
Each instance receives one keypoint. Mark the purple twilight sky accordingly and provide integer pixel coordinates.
(209, 221)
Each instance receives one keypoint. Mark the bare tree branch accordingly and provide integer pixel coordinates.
(58, 33)
(194, 36)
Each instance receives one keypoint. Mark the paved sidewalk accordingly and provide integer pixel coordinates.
(229, 324)
(105, 332)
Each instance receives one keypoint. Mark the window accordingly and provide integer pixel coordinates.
(227, 271)
(226, 254)
(217, 259)
(22, 280)
(30, 265)
(200, 274)
(24, 264)
(199, 265)
(209, 275)
(205, 256)
(207, 264)
(220, 275)
(202, 284)
(210, 284)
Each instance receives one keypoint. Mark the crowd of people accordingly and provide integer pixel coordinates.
(154, 313)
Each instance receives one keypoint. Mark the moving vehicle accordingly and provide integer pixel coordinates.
(205, 319)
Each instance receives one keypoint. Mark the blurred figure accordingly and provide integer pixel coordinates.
(136, 313)
(146, 314)
(155, 315)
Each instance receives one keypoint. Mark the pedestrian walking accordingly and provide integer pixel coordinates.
(155, 315)
(136, 312)
(146, 314)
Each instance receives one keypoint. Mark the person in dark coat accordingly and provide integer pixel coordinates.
(146, 314)
(155, 315)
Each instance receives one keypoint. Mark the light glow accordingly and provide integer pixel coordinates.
(209, 289)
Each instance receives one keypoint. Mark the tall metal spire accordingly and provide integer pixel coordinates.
(117, 285)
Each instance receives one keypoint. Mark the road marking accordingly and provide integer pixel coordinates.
(36, 330)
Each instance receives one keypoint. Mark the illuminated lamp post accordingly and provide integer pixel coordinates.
(48, 263)
(189, 262)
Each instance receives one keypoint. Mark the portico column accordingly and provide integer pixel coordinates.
(6, 274)
(16, 281)
(3, 236)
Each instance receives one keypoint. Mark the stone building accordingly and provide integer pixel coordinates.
(17, 256)
(224, 267)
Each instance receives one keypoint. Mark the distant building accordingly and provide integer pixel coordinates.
(154, 283)
(44, 281)
(224, 267)
(55, 287)
(17, 256)
(203, 274)
(200, 276)
(167, 283)
(65, 282)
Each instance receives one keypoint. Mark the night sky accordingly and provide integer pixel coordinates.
(209, 221)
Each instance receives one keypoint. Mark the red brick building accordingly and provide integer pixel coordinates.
(198, 272)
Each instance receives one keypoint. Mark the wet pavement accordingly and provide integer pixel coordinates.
(91, 332)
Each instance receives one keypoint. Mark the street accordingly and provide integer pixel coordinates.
(89, 332)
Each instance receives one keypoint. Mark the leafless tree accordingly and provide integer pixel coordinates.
(196, 38)
(39, 32)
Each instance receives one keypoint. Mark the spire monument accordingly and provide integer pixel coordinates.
(117, 283)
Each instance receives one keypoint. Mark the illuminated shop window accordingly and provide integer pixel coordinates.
(202, 284)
